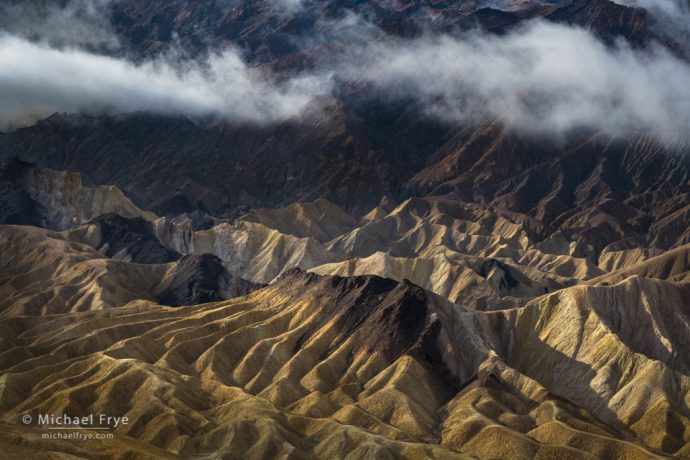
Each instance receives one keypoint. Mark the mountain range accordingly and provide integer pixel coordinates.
(361, 279)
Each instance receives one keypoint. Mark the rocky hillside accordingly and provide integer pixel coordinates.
(379, 274)
(369, 367)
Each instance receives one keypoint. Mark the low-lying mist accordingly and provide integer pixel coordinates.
(540, 77)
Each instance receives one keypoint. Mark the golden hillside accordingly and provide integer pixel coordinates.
(359, 367)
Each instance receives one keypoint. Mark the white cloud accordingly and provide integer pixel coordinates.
(543, 77)
(37, 80)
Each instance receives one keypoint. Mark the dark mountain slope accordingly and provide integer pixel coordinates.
(269, 32)
(129, 152)
(35, 195)
(201, 279)
(608, 20)
(593, 182)
(131, 240)
(352, 158)
(16, 204)
(594, 185)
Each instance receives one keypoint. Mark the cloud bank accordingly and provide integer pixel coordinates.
(37, 80)
(542, 77)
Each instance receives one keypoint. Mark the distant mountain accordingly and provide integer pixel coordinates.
(362, 280)
(355, 150)
(271, 31)
(174, 166)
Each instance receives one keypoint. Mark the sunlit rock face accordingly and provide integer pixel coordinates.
(299, 229)
(391, 361)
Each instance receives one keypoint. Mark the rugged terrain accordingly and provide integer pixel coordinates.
(359, 281)
(367, 367)
(434, 328)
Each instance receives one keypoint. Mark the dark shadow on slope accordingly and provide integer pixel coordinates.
(201, 279)
(131, 240)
